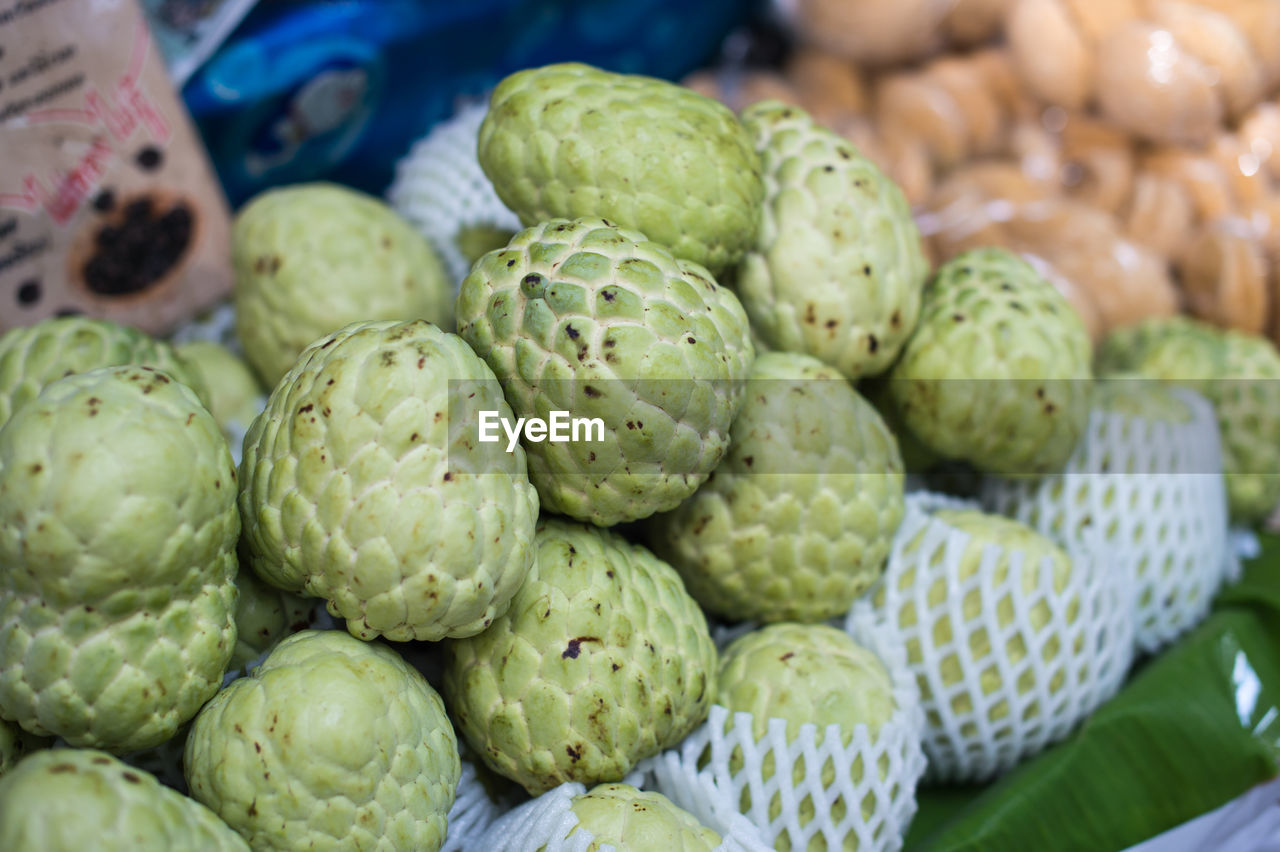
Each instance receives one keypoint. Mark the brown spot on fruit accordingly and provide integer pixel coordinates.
(131, 777)
(591, 392)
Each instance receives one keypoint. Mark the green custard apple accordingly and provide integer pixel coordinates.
(998, 372)
(310, 259)
(118, 529)
(596, 321)
(602, 660)
(805, 673)
(232, 389)
(71, 800)
(364, 483)
(797, 520)
(16, 743)
(569, 141)
(33, 356)
(627, 818)
(332, 743)
(838, 269)
(264, 616)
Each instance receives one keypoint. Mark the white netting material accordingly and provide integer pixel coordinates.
(440, 188)
(1145, 494)
(878, 804)
(547, 823)
(986, 710)
(217, 325)
(473, 812)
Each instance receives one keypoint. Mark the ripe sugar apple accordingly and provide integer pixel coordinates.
(627, 818)
(602, 660)
(806, 674)
(70, 800)
(118, 528)
(233, 393)
(1240, 374)
(568, 141)
(264, 616)
(15, 743)
(312, 258)
(332, 743)
(363, 483)
(838, 269)
(998, 370)
(991, 654)
(33, 356)
(588, 318)
(796, 521)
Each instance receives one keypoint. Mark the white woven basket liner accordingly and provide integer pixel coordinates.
(546, 823)
(1166, 519)
(676, 773)
(440, 188)
(1103, 623)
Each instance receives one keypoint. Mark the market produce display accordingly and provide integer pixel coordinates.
(731, 465)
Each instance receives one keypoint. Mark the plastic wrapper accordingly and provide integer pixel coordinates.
(1002, 680)
(1144, 495)
(1195, 728)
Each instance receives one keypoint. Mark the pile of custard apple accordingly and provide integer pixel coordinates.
(738, 305)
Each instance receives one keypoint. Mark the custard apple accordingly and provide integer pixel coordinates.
(1238, 373)
(627, 818)
(33, 356)
(805, 674)
(264, 616)
(569, 140)
(796, 521)
(233, 393)
(15, 743)
(71, 800)
(998, 370)
(363, 483)
(332, 743)
(587, 318)
(312, 258)
(838, 268)
(602, 660)
(118, 529)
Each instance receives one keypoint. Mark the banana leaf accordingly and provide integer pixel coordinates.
(1194, 728)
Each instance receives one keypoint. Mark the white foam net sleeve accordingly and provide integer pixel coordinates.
(474, 811)
(852, 790)
(440, 188)
(1004, 679)
(1144, 494)
(217, 325)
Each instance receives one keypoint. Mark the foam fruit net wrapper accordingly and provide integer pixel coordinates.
(1075, 643)
(1148, 495)
(441, 189)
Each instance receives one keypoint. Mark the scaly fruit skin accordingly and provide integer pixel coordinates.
(70, 800)
(805, 674)
(595, 320)
(332, 743)
(1012, 537)
(363, 483)
(1237, 372)
(118, 529)
(998, 370)
(264, 616)
(570, 140)
(602, 660)
(33, 356)
(838, 269)
(15, 743)
(233, 392)
(627, 818)
(312, 258)
(798, 518)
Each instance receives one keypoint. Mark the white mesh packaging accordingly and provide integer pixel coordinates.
(474, 811)
(440, 187)
(218, 325)
(1007, 660)
(724, 759)
(547, 823)
(1145, 493)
